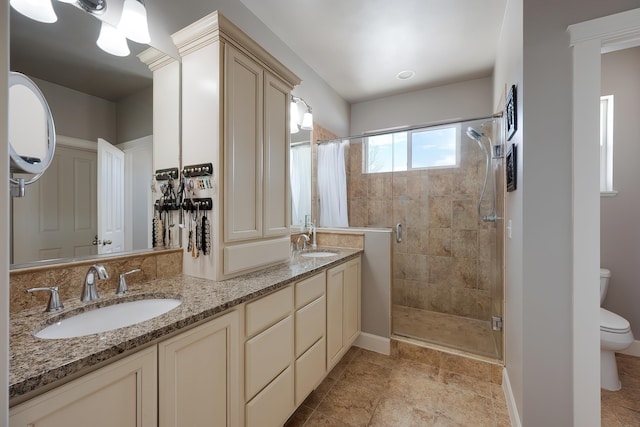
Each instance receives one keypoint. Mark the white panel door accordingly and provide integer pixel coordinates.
(110, 198)
(57, 216)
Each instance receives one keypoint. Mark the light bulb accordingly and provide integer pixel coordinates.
(38, 10)
(112, 41)
(133, 22)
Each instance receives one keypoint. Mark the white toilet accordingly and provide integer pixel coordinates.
(615, 335)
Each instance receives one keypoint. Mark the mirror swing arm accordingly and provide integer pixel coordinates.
(28, 164)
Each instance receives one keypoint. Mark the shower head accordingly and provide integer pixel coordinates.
(474, 134)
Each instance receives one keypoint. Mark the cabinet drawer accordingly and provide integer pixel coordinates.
(310, 289)
(274, 404)
(310, 324)
(310, 368)
(268, 310)
(268, 354)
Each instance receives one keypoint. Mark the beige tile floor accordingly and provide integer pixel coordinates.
(413, 387)
(622, 408)
(457, 332)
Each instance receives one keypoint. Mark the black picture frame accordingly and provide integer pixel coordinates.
(511, 112)
(511, 168)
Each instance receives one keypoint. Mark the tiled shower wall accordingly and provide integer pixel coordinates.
(446, 260)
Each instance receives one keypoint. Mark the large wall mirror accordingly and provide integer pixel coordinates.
(93, 96)
(300, 161)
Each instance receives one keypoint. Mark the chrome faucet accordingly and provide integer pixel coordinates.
(89, 290)
(308, 225)
(122, 283)
(54, 298)
(304, 244)
(312, 235)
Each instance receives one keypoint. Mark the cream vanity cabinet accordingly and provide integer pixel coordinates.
(235, 114)
(269, 356)
(198, 375)
(190, 379)
(343, 309)
(122, 394)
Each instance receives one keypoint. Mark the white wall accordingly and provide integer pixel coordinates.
(540, 363)
(459, 101)
(4, 218)
(168, 16)
(507, 72)
(619, 231)
(79, 115)
(134, 116)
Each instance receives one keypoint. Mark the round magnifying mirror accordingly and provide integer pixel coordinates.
(32, 135)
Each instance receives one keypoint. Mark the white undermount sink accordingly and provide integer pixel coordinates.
(318, 254)
(108, 318)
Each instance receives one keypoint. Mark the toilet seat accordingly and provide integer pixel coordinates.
(613, 323)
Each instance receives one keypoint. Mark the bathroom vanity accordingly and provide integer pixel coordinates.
(245, 351)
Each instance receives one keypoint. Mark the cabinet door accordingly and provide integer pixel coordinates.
(199, 375)
(123, 394)
(243, 161)
(277, 194)
(335, 313)
(351, 314)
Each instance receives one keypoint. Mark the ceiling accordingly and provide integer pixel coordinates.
(359, 46)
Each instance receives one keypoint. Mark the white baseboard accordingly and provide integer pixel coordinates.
(511, 402)
(633, 350)
(374, 343)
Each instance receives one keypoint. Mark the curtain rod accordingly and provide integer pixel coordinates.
(408, 128)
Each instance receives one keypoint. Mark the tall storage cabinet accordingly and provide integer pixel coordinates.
(235, 99)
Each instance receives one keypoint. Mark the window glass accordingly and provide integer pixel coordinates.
(419, 149)
(606, 143)
(434, 148)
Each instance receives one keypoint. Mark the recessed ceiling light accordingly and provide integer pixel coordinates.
(405, 75)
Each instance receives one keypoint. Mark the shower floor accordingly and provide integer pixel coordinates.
(461, 333)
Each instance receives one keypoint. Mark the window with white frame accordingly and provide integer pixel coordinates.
(437, 147)
(606, 143)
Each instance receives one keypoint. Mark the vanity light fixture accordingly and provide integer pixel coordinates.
(307, 119)
(112, 41)
(94, 7)
(133, 22)
(38, 10)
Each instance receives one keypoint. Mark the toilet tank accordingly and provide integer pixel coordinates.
(605, 275)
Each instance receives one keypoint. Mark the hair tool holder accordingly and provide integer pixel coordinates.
(163, 234)
(197, 178)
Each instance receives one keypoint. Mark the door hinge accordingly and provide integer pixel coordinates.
(496, 323)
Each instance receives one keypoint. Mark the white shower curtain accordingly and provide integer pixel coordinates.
(300, 183)
(332, 184)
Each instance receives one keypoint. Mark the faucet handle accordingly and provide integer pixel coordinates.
(54, 303)
(122, 283)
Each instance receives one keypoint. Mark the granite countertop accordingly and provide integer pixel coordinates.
(38, 363)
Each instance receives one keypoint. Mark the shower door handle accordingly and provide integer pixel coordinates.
(398, 232)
